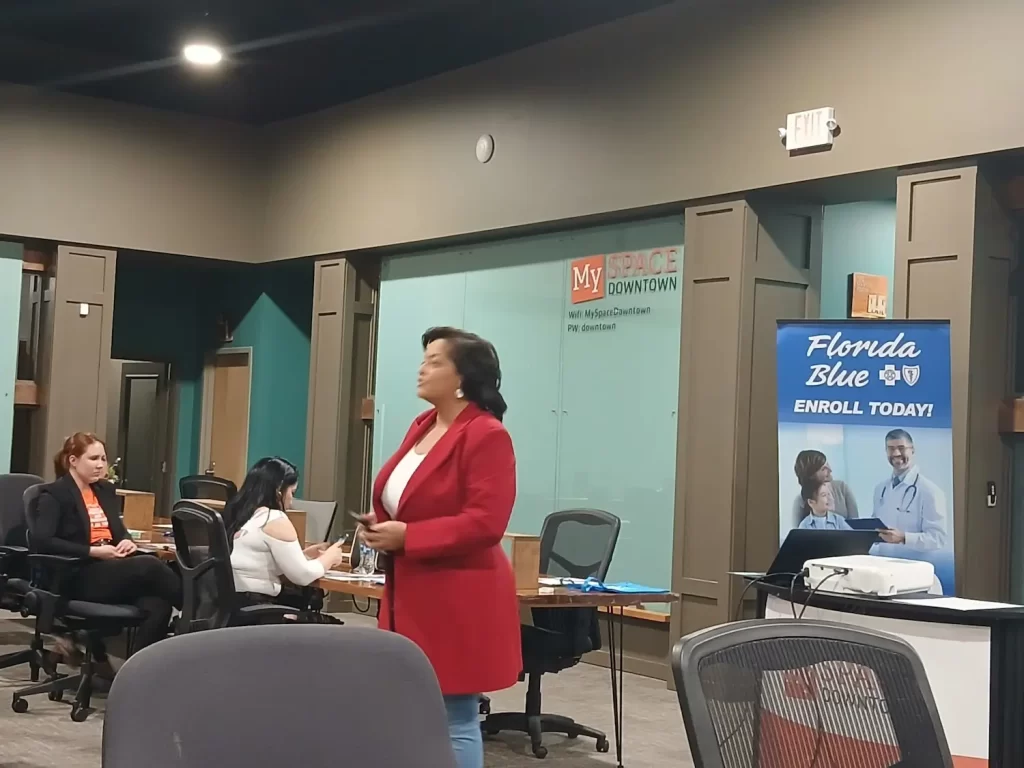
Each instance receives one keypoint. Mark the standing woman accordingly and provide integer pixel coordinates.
(78, 516)
(441, 505)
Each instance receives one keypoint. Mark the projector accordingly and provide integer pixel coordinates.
(869, 575)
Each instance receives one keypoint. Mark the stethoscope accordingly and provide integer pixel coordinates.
(911, 489)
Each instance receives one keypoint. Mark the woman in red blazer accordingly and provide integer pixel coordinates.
(441, 506)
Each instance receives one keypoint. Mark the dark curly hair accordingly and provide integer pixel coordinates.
(476, 361)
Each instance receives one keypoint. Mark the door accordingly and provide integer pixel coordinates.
(226, 387)
(138, 426)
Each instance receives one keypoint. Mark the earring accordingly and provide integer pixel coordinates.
(459, 393)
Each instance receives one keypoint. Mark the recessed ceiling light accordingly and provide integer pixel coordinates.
(203, 54)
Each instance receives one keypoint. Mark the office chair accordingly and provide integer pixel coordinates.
(206, 487)
(759, 694)
(576, 543)
(329, 690)
(14, 568)
(56, 612)
(209, 600)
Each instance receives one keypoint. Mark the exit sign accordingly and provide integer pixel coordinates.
(812, 129)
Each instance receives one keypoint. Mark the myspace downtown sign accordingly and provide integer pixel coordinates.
(626, 274)
(868, 372)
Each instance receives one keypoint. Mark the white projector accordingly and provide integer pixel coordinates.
(869, 575)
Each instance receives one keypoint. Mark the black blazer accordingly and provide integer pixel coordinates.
(61, 524)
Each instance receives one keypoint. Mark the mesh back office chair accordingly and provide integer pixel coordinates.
(57, 612)
(14, 568)
(331, 684)
(797, 694)
(209, 600)
(575, 543)
(206, 487)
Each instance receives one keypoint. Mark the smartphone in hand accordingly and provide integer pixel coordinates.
(364, 520)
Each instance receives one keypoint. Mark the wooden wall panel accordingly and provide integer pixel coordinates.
(75, 356)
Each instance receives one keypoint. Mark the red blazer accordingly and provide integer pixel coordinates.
(451, 590)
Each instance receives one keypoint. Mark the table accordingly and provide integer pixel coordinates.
(553, 597)
(971, 652)
(297, 517)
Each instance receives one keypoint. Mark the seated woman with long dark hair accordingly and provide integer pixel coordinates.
(265, 545)
(77, 516)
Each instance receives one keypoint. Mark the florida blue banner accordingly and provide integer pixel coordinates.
(865, 433)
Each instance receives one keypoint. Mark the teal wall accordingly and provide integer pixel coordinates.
(10, 308)
(592, 415)
(276, 324)
(166, 312)
(857, 237)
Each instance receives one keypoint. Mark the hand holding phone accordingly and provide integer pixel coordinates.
(364, 520)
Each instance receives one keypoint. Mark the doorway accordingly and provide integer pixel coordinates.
(138, 433)
(224, 436)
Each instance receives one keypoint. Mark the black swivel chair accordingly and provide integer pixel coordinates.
(575, 543)
(764, 693)
(56, 612)
(209, 600)
(206, 487)
(14, 568)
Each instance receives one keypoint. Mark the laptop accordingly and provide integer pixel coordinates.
(802, 545)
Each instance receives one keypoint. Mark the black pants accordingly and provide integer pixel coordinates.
(139, 580)
(290, 597)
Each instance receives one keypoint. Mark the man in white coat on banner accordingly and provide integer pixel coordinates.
(912, 507)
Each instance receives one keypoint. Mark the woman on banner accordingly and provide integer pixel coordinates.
(819, 504)
(813, 465)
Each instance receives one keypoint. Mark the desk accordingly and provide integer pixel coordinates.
(298, 518)
(553, 597)
(974, 660)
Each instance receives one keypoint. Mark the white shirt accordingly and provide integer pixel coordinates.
(258, 560)
(916, 506)
(395, 486)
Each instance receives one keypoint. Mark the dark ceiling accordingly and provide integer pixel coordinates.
(285, 57)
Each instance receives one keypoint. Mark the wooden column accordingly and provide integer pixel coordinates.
(339, 431)
(954, 258)
(75, 350)
(745, 266)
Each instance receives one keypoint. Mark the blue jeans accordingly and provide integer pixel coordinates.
(464, 730)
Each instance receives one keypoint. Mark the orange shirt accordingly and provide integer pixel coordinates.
(99, 526)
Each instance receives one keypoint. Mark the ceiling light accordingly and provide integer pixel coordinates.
(203, 54)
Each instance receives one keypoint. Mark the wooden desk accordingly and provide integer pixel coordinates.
(138, 509)
(542, 597)
(298, 518)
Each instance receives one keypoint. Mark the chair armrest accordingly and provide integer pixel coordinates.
(54, 572)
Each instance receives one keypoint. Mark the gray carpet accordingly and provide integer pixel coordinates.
(654, 738)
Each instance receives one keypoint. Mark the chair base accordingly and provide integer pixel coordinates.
(537, 725)
(56, 684)
(37, 658)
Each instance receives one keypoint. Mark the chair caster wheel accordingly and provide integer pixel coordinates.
(603, 745)
(80, 713)
(55, 695)
(540, 752)
(19, 705)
